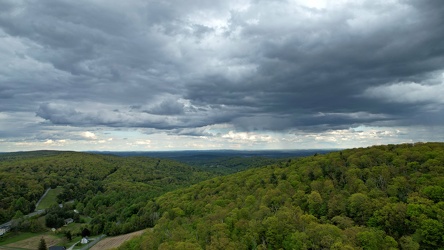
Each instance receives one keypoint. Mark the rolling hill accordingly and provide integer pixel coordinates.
(382, 197)
(110, 189)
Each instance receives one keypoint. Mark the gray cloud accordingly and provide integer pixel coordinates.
(167, 107)
(256, 65)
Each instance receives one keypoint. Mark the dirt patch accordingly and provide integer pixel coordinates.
(33, 242)
(116, 241)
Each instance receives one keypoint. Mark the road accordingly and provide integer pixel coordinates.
(8, 224)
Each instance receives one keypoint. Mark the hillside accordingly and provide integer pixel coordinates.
(109, 189)
(382, 197)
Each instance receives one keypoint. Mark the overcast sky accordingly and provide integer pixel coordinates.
(228, 74)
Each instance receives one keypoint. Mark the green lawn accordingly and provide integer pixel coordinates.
(14, 237)
(80, 246)
(50, 199)
(70, 243)
(75, 227)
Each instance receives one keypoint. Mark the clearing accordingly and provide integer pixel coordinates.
(116, 241)
(50, 199)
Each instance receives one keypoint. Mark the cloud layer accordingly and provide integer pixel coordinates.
(220, 69)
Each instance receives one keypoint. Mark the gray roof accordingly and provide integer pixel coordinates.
(57, 248)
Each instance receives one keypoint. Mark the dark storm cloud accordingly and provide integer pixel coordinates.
(323, 66)
(258, 65)
(62, 114)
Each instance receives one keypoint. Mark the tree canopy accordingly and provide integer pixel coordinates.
(381, 197)
(110, 189)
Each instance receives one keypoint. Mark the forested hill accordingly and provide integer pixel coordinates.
(222, 162)
(28, 154)
(382, 197)
(109, 189)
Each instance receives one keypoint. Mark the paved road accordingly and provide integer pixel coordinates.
(36, 212)
(7, 224)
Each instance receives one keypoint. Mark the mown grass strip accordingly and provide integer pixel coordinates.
(50, 199)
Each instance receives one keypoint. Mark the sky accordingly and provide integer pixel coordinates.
(148, 75)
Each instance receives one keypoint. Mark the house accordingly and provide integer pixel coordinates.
(68, 221)
(57, 248)
(84, 241)
(4, 229)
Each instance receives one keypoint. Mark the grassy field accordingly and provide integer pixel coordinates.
(50, 199)
(15, 237)
(74, 240)
(29, 240)
(114, 242)
(26, 241)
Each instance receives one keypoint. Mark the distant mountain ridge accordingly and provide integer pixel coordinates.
(219, 153)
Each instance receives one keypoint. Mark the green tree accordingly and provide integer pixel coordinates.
(22, 205)
(392, 218)
(86, 232)
(359, 208)
(435, 193)
(297, 240)
(42, 244)
(431, 233)
(18, 214)
(375, 239)
(68, 235)
(315, 204)
(324, 236)
(407, 243)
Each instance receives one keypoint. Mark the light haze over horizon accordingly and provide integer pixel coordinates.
(154, 75)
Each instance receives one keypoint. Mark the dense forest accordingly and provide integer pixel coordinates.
(111, 190)
(382, 197)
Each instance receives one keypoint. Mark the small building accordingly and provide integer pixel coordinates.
(68, 221)
(84, 240)
(57, 248)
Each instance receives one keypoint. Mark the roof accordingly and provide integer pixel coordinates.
(57, 248)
